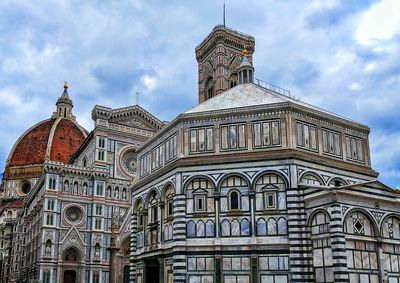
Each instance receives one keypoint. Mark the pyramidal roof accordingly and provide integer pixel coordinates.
(248, 95)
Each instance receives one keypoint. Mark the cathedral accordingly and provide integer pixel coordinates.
(251, 185)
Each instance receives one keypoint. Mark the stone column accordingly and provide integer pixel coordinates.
(162, 215)
(218, 269)
(254, 267)
(299, 238)
(113, 256)
(217, 209)
(161, 276)
(338, 243)
(252, 213)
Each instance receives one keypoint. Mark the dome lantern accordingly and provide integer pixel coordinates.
(64, 105)
(246, 69)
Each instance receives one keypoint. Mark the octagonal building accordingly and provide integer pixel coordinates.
(253, 185)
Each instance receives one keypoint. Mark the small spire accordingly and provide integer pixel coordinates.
(224, 13)
(244, 51)
(65, 85)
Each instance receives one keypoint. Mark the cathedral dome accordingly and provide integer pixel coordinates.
(53, 139)
(56, 139)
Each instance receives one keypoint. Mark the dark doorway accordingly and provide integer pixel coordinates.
(126, 274)
(69, 276)
(152, 271)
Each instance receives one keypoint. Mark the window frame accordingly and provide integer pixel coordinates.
(199, 196)
(196, 131)
(301, 135)
(270, 134)
(239, 196)
(229, 134)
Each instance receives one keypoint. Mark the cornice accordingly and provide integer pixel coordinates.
(243, 157)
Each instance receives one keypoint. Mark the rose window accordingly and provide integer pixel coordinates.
(73, 214)
(128, 162)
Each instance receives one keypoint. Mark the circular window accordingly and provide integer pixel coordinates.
(73, 214)
(24, 188)
(128, 162)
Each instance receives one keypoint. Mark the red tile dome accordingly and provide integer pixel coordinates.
(56, 139)
(52, 139)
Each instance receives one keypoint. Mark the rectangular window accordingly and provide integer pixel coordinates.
(307, 136)
(270, 200)
(145, 165)
(49, 219)
(354, 149)
(170, 208)
(224, 137)
(202, 139)
(101, 155)
(96, 277)
(157, 157)
(200, 202)
(170, 148)
(50, 204)
(331, 143)
(99, 209)
(46, 276)
(266, 133)
(99, 189)
(233, 137)
(101, 142)
(97, 223)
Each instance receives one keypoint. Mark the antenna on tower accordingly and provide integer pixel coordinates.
(137, 98)
(224, 13)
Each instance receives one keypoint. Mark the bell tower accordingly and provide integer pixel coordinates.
(219, 56)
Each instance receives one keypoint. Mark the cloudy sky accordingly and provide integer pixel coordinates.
(340, 55)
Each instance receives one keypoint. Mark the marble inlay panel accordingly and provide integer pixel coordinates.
(235, 228)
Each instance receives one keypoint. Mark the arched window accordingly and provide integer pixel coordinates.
(209, 88)
(245, 227)
(234, 200)
(272, 227)
(390, 247)
(97, 250)
(198, 193)
(84, 189)
(66, 186)
(225, 228)
(391, 228)
(47, 248)
(153, 208)
(235, 228)
(75, 188)
(168, 199)
(210, 228)
(84, 162)
(282, 227)
(116, 193)
(361, 268)
(200, 229)
(322, 252)
(270, 192)
(71, 255)
(311, 179)
(191, 229)
(261, 227)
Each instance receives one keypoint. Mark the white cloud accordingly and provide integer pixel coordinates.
(380, 22)
(149, 82)
(355, 86)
